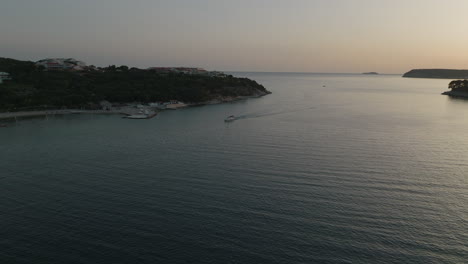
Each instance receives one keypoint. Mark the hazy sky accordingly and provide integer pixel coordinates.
(390, 36)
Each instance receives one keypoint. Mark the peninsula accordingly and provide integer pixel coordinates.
(437, 74)
(53, 84)
(459, 88)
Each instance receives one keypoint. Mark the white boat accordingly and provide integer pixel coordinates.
(230, 118)
(137, 117)
(140, 115)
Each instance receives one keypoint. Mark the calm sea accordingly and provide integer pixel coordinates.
(327, 169)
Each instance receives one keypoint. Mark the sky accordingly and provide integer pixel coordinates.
(346, 36)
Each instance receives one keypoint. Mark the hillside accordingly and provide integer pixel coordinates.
(32, 87)
(437, 73)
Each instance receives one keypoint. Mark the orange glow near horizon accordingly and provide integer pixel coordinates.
(293, 36)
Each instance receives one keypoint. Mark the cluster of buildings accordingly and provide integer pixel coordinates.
(76, 65)
(62, 64)
(169, 105)
(4, 76)
(186, 70)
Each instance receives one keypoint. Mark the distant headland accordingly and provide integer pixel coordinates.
(437, 74)
(371, 73)
(53, 84)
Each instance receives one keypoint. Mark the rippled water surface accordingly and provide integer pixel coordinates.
(327, 169)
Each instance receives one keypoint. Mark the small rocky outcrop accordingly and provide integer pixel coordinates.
(458, 88)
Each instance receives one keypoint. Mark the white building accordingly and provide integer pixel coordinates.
(174, 104)
(4, 76)
(61, 64)
(105, 105)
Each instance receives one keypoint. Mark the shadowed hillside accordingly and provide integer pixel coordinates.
(437, 73)
(33, 87)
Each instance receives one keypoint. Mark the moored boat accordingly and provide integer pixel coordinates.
(140, 115)
(137, 117)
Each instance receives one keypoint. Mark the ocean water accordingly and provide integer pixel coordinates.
(327, 169)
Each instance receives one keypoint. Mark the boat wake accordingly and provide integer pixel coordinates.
(259, 115)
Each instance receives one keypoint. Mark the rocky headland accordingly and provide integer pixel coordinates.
(458, 88)
(31, 87)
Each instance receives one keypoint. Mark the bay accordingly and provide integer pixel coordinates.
(329, 168)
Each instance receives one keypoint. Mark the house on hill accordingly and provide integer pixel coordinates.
(4, 76)
(105, 105)
(61, 64)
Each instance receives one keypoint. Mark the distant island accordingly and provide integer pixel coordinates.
(437, 74)
(70, 84)
(371, 73)
(459, 88)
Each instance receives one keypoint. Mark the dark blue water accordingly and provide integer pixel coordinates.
(368, 169)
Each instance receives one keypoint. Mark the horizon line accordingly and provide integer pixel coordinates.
(303, 72)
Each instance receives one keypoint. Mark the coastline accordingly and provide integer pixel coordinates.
(10, 115)
(456, 94)
(126, 111)
(228, 99)
(436, 74)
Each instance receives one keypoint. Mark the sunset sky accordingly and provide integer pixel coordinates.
(243, 35)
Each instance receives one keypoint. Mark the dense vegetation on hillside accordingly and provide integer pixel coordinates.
(32, 87)
(459, 85)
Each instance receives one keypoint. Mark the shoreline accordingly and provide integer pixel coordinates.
(8, 115)
(228, 99)
(126, 111)
(456, 94)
